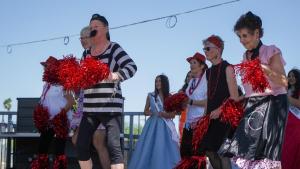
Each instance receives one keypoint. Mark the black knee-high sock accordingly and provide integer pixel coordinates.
(45, 141)
(218, 162)
(214, 160)
(60, 145)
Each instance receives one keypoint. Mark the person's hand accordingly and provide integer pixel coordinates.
(113, 76)
(240, 98)
(215, 114)
(166, 115)
(162, 114)
(148, 113)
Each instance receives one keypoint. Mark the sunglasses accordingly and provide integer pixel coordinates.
(207, 49)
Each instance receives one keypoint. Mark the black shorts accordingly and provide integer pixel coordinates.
(88, 126)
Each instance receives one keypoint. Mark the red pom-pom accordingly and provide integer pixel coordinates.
(199, 130)
(60, 162)
(93, 71)
(51, 73)
(193, 162)
(41, 162)
(69, 73)
(61, 124)
(41, 118)
(251, 72)
(232, 112)
(175, 102)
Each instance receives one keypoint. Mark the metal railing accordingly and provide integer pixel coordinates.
(6, 147)
(133, 123)
(133, 126)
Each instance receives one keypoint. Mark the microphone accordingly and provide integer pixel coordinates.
(93, 33)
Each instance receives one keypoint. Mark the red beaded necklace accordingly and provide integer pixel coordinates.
(194, 85)
(211, 93)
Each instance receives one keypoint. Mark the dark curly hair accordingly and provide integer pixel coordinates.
(296, 92)
(251, 22)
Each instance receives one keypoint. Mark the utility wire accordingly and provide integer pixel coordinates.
(169, 24)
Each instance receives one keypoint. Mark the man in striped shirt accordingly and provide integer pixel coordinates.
(103, 103)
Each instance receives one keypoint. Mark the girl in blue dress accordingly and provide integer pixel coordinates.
(157, 147)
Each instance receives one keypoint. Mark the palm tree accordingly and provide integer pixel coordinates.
(7, 104)
(3, 126)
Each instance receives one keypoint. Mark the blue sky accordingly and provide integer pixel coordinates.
(155, 48)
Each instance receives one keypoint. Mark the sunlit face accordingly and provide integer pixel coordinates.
(100, 27)
(85, 40)
(247, 38)
(291, 78)
(195, 67)
(158, 83)
(211, 51)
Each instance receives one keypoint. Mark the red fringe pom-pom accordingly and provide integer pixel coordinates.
(251, 72)
(68, 73)
(61, 124)
(232, 112)
(193, 162)
(60, 162)
(199, 130)
(175, 102)
(51, 73)
(41, 162)
(41, 118)
(93, 71)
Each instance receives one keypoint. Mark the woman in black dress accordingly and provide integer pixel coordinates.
(221, 86)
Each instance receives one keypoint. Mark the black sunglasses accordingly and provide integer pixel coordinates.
(206, 49)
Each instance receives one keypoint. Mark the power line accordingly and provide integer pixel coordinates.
(169, 24)
(176, 14)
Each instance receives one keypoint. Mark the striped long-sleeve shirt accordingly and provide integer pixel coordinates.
(106, 96)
